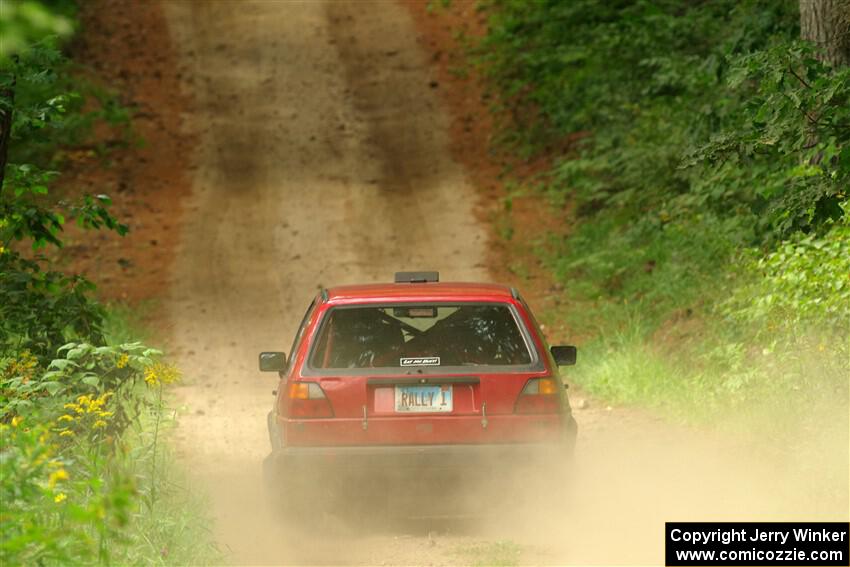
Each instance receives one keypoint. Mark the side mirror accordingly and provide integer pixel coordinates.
(272, 361)
(564, 355)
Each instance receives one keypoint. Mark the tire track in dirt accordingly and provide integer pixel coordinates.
(318, 164)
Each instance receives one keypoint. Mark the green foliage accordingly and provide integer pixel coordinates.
(49, 93)
(24, 22)
(698, 129)
(42, 100)
(805, 280)
(59, 428)
(82, 465)
(41, 308)
(25, 215)
(81, 369)
(731, 374)
(708, 153)
(659, 266)
(790, 144)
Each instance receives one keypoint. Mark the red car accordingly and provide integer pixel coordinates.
(411, 379)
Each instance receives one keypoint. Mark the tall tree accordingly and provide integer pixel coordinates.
(7, 105)
(826, 23)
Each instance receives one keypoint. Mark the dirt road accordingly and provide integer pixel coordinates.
(322, 160)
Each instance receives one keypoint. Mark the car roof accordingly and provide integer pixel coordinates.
(443, 291)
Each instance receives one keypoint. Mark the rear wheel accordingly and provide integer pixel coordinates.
(274, 484)
(293, 496)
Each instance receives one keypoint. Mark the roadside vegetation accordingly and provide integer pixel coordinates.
(85, 474)
(502, 553)
(705, 150)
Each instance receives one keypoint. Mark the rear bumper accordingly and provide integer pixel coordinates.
(400, 460)
(414, 455)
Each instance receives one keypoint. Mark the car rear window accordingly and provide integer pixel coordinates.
(398, 336)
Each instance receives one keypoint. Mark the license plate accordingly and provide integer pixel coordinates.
(423, 399)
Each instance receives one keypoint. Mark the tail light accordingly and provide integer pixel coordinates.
(307, 400)
(540, 395)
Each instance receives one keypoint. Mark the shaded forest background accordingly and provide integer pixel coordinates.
(702, 149)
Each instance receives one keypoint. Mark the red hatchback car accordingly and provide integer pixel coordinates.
(414, 378)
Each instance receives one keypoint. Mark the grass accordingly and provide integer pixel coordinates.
(125, 323)
(172, 526)
(724, 375)
(503, 553)
(701, 332)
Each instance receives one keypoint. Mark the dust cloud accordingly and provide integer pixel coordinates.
(631, 474)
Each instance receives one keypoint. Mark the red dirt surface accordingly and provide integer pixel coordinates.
(149, 181)
(146, 179)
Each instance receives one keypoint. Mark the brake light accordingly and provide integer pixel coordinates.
(307, 400)
(540, 395)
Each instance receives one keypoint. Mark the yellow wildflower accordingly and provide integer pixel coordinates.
(23, 367)
(87, 404)
(66, 417)
(78, 407)
(99, 423)
(57, 476)
(16, 421)
(66, 433)
(61, 497)
(122, 360)
(160, 373)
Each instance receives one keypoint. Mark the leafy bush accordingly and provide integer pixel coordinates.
(40, 308)
(82, 374)
(707, 151)
(81, 462)
(733, 374)
(805, 280)
(705, 127)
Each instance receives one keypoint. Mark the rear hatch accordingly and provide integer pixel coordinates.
(440, 373)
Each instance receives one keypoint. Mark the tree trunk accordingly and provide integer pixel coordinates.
(826, 23)
(7, 94)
